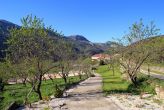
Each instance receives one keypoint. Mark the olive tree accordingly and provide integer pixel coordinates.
(87, 67)
(5, 69)
(134, 52)
(64, 52)
(31, 44)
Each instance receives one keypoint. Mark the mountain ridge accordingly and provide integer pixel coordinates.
(81, 44)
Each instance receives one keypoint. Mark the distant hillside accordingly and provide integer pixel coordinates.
(80, 43)
(158, 43)
(4, 32)
(84, 46)
(6, 25)
(79, 38)
(157, 53)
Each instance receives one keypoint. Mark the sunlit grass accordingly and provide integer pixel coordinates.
(115, 84)
(112, 83)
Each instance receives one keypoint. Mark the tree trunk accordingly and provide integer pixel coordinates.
(63, 75)
(113, 70)
(134, 80)
(40, 95)
(39, 86)
(65, 79)
(87, 74)
(79, 74)
(1, 85)
(24, 82)
(51, 78)
(148, 69)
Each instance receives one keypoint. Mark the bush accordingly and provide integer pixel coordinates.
(94, 68)
(102, 62)
(1, 85)
(46, 98)
(1, 98)
(145, 84)
(58, 92)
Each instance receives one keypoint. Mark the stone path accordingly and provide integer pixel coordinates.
(88, 96)
(85, 96)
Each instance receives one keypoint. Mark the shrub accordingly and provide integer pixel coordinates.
(58, 92)
(1, 85)
(94, 68)
(144, 85)
(102, 62)
(46, 98)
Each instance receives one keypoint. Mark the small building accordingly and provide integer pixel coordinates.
(100, 57)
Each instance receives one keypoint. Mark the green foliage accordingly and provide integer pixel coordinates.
(58, 92)
(5, 70)
(145, 85)
(1, 85)
(87, 61)
(136, 52)
(30, 51)
(31, 41)
(139, 31)
(65, 56)
(102, 62)
(157, 55)
(83, 65)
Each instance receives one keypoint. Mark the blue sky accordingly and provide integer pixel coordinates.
(97, 20)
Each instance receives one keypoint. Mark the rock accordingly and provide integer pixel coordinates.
(144, 96)
(159, 91)
(134, 102)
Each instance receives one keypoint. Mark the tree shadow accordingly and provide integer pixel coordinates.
(79, 96)
(115, 91)
(131, 89)
(113, 82)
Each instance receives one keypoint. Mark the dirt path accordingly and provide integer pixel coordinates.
(152, 74)
(85, 96)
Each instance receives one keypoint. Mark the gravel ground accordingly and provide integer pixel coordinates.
(134, 102)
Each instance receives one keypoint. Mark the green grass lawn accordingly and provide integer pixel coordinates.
(17, 92)
(112, 84)
(115, 84)
(153, 81)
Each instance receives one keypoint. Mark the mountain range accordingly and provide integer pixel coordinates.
(81, 44)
